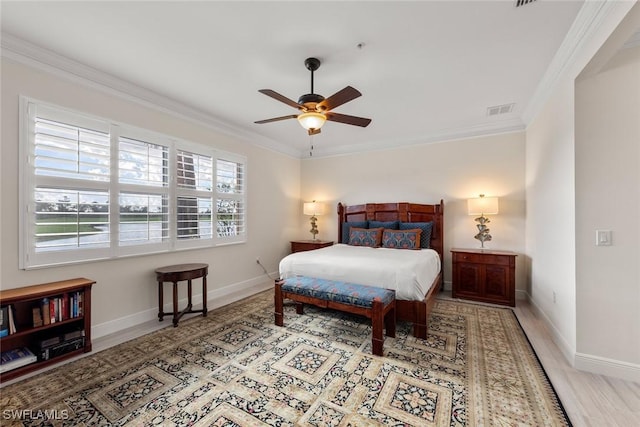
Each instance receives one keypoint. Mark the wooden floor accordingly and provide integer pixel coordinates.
(590, 400)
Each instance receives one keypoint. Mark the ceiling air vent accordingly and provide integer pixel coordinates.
(523, 2)
(500, 109)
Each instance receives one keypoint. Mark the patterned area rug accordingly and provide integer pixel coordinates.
(236, 368)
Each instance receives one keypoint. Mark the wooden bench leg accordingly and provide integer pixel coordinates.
(279, 319)
(299, 308)
(377, 320)
(390, 321)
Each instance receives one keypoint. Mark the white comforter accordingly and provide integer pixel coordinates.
(409, 272)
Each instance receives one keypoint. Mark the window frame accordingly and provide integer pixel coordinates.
(29, 181)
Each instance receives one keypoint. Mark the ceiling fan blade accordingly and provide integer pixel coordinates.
(343, 96)
(276, 119)
(349, 120)
(275, 95)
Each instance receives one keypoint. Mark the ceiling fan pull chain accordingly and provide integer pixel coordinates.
(310, 145)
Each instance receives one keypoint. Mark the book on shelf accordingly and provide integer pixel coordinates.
(46, 315)
(4, 321)
(12, 359)
(36, 315)
(12, 322)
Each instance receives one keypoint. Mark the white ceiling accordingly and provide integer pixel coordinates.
(428, 70)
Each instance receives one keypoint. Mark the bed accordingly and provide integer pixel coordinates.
(420, 269)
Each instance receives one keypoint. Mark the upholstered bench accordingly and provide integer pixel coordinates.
(377, 304)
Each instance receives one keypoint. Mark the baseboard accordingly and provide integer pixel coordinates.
(566, 349)
(215, 298)
(609, 367)
(587, 362)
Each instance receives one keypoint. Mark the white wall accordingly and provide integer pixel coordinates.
(453, 171)
(608, 197)
(126, 291)
(550, 216)
(551, 201)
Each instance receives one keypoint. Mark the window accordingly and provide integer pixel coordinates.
(92, 189)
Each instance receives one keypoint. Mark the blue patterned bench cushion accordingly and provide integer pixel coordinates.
(343, 292)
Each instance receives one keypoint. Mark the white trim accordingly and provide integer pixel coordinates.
(215, 298)
(29, 180)
(587, 22)
(34, 56)
(587, 362)
(565, 348)
(609, 367)
(444, 135)
(23, 52)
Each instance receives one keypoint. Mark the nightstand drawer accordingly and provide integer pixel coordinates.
(481, 258)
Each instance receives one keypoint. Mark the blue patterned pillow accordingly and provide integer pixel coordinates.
(346, 226)
(426, 227)
(371, 237)
(389, 225)
(401, 239)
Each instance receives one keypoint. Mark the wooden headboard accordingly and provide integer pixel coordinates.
(405, 212)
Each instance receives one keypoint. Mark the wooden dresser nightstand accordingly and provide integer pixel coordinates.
(484, 275)
(308, 245)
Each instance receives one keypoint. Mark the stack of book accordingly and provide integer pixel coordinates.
(12, 359)
(63, 307)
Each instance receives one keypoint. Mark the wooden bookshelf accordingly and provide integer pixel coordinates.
(75, 319)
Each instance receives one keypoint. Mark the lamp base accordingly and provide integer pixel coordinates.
(483, 231)
(314, 226)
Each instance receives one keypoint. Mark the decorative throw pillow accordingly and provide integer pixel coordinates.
(401, 239)
(390, 225)
(371, 237)
(346, 226)
(426, 227)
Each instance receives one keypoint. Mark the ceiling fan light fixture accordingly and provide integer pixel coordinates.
(311, 120)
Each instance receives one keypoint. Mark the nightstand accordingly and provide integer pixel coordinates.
(308, 245)
(484, 275)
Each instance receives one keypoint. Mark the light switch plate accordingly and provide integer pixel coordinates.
(603, 237)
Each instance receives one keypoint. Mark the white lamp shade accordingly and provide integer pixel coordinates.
(313, 208)
(483, 205)
(311, 120)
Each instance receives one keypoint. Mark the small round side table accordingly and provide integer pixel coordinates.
(178, 273)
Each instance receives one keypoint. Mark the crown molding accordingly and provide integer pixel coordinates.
(450, 134)
(23, 52)
(20, 51)
(589, 19)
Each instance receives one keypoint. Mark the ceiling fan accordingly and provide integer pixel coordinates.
(316, 109)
